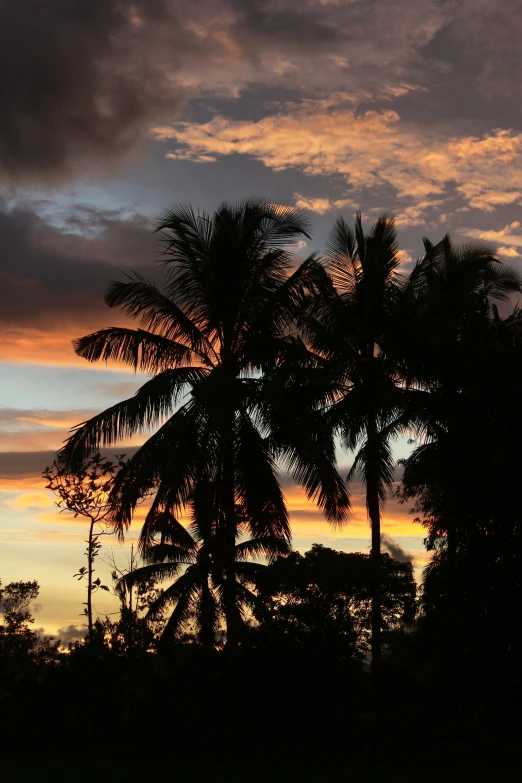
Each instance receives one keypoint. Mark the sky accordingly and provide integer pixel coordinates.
(112, 111)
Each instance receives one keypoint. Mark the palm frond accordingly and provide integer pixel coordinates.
(273, 311)
(276, 225)
(246, 599)
(269, 547)
(170, 459)
(342, 259)
(374, 461)
(182, 594)
(140, 298)
(311, 461)
(142, 350)
(261, 499)
(157, 572)
(161, 522)
(151, 404)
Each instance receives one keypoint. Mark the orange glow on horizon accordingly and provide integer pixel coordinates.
(306, 518)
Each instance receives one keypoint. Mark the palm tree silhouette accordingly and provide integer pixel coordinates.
(350, 327)
(455, 289)
(388, 339)
(233, 388)
(460, 351)
(196, 558)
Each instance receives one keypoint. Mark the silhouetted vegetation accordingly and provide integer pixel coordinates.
(321, 602)
(228, 642)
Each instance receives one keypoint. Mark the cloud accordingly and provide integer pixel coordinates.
(70, 633)
(80, 86)
(53, 276)
(486, 36)
(46, 439)
(374, 152)
(13, 442)
(508, 239)
(395, 549)
(87, 79)
(30, 501)
(509, 252)
(405, 259)
(26, 466)
(18, 419)
(49, 346)
(322, 205)
(39, 431)
(491, 199)
(415, 214)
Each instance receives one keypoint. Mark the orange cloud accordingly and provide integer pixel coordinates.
(322, 205)
(508, 238)
(371, 150)
(28, 484)
(306, 518)
(33, 440)
(48, 435)
(31, 500)
(36, 346)
(54, 419)
(304, 514)
(53, 536)
(39, 346)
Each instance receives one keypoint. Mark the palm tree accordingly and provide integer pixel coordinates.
(466, 355)
(456, 289)
(227, 365)
(351, 328)
(195, 558)
(373, 327)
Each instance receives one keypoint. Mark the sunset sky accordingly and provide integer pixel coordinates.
(111, 111)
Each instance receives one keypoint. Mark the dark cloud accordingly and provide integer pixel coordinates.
(53, 275)
(370, 47)
(374, 33)
(470, 70)
(24, 464)
(395, 550)
(83, 82)
(79, 83)
(30, 464)
(487, 36)
(69, 633)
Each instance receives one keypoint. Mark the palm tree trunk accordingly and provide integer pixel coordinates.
(206, 631)
(374, 512)
(230, 724)
(452, 612)
(230, 529)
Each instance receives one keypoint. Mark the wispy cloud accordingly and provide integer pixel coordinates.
(372, 151)
(508, 239)
(322, 205)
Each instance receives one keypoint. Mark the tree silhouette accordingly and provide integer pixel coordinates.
(85, 492)
(22, 650)
(322, 600)
(467, 357)
(221, 343)
(196, 558)
(351, 327)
